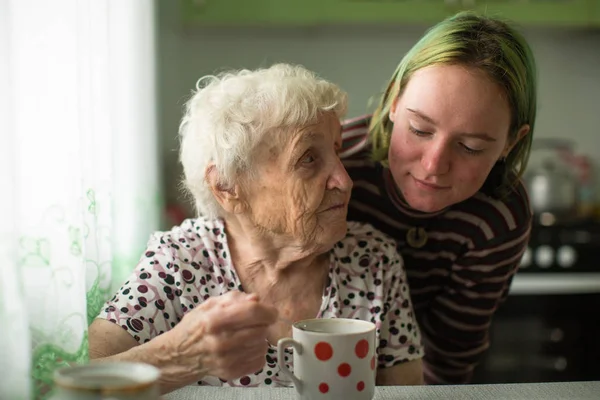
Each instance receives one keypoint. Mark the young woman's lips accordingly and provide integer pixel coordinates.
(429, 186)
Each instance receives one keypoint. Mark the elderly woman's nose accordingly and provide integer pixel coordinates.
(339, 178)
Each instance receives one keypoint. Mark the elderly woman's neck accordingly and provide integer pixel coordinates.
(255, 250)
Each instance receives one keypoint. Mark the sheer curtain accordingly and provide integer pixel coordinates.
(78, 174)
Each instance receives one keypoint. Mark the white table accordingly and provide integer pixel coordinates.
(545, 391)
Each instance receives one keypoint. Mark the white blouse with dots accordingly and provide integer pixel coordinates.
(191, 263)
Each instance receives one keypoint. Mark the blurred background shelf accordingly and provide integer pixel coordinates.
(573, 13)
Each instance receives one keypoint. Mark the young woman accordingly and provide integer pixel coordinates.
(437, 167)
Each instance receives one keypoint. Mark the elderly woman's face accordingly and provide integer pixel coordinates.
(302, 189)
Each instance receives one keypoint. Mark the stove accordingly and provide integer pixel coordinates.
(560, 259)
(547, 329)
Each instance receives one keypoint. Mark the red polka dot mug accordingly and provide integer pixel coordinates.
(333, 359)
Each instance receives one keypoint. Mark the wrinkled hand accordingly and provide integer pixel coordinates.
(223, 337)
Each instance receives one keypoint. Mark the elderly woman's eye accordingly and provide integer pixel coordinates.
(307, 159)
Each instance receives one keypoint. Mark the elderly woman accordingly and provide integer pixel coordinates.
(210, 297)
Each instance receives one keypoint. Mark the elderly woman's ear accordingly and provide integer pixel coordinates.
(228, 197)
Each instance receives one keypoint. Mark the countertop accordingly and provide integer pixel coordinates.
(555, 283)
(566, 390)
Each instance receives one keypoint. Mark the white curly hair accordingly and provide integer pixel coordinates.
(230, 114)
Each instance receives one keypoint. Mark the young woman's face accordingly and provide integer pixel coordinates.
(451, 125)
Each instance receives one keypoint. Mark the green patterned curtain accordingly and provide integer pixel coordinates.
(78, 174)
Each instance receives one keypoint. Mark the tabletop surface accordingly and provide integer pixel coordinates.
(566, 390)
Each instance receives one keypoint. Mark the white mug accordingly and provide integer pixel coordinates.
(333, 359)
(107, 381)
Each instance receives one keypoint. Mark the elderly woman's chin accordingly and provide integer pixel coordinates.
(333, 224)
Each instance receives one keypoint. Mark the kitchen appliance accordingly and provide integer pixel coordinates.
(548, 328)
(563, 249)
(552, 189)
(544, 338)
(552, 181)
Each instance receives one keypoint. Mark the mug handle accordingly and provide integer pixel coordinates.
(281, 346)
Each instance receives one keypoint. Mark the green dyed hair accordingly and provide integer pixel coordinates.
(482, 42)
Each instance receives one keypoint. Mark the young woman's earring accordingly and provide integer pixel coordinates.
(495, 178)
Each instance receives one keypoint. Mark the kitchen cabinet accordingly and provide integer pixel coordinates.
(543, 338)
(539, 12)
(313, 12)
(364, 12)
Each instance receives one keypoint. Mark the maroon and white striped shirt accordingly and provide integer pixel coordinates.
(462, 273)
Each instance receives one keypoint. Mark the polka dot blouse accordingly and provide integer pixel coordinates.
(183, 267)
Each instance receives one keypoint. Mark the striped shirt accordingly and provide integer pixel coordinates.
(461, 274)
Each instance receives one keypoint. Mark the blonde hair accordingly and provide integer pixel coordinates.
(230, 114)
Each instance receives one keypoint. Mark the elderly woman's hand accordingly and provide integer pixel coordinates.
(223, 337)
